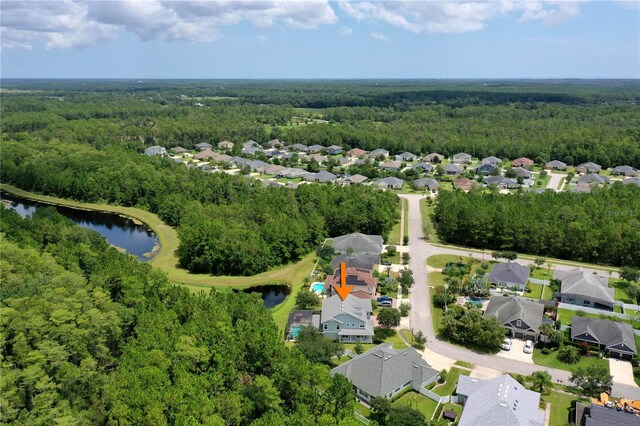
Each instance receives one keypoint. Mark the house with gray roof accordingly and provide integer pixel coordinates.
(590, 414)
(523, 173)
(390, 165)
(486, 169)
(632, 181)
(275, 143)
(500, 401)
(251, 144)
(521, 317)
(297, 147)
(348, 320)
(588, 167)
(385, 372)
(462, 158)
(555, 165)
(627, 171)
(389, 182)
(324, 177)
(202, 146)
(376, 153)
(353, 180)
(155, 150)
(356, 260)
(273, 153)
(495, 161)
(251, 150)
(501, 182)
(226, 145)
(616, 338)
(358, 243)
(583, 288)
(426, 184)
(315, 148)
(509, 275)
(434, 157)
(423, 167)
(334, 150)
(269, 182)
(291, 173)
(452, 169)
(317, 158)
(406, 156)
(592, 179)
(178, 150)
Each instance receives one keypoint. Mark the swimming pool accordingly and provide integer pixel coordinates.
(318, 287)
(293, 333)
(476, 301)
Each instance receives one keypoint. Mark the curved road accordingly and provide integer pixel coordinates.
(421, 312)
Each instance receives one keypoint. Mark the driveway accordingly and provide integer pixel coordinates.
(516, 352)
(622, 372)
(554, 180)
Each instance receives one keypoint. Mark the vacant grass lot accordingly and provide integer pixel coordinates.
(418, 402)
(440, 260)
(552, 361)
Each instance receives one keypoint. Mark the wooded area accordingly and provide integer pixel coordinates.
(600, 227)
(91, 335)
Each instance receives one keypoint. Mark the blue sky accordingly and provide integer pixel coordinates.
(320, 39)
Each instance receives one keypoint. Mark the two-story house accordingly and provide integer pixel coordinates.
(347, 320)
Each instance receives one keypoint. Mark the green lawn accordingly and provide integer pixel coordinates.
(393, 258)
(536, 291)
(566, 315)
(397, 341)
(560, 407)
(552, 361)
(436, 279)
(352, 346)
(418, 402)
(426, 211)
(451, 407)
(337, 361)
(542, 273)
(409, 338)
(436, 317)
(362, 410)
(463, 364)
(394, 234)
(405, 206)
(620, 291)
(440, 260)
(547, 293)
(449, 385)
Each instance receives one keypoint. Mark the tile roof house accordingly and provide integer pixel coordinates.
(627, 171)
(452, 169)
(178, 150)
(348, 320)
(334, 150)
(226, 145)
(583, 288)
(521, 317)
(522, 162)
(592, 179)
(406, 156)
(422, 167)
(202, 146)
(155, 150)
(632, 181)
(500, 401)
(391, 165)
(616, 338)
(464, 184)
(555, 165)
(492, 160)
(385, 372)
(357, 152)
(362, 280)
(356, 260)
(588, 167)
(434, 157)
(511, 274)
(389, 182)
(358, 243)
(462, 158)
(426, 183)
(377, 153)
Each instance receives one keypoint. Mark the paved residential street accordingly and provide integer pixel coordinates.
(421, 308)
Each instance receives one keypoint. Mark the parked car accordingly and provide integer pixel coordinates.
(386, 303)
(506, 344)
(381, 298)
(528, 347)
(386, 262)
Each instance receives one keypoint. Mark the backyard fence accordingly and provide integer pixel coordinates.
(434, 396)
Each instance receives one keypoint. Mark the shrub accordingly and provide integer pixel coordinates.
(568, 354)
(546, 351)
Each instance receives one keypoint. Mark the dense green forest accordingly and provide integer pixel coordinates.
(227, 224)
(601, 227)
(93, 336)
(571, 121)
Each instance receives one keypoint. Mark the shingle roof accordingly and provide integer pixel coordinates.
(356, 260)
(511, 272)
(462, 155)
(556, 164)
(382, 370)
(297, 147)
(520, 171)
(602, 416)
(379, 151)
(592, 178)
(356, 152)
(607, 332)
(390, 165)
(333, 306)
(324, 176)
(491, 160)
(585, 284)
(360, 243)
(357, 178)
(389, 181)
(509, 309)
(428, 182)
(590, 166)
(501, 401)
(624, 169)
(424, 166)
(632, 181)
(315, 148)
(203, 145)
(453, 168)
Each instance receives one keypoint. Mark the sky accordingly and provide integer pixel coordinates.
(319, 39)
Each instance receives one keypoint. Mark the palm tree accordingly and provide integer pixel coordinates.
(541, 381)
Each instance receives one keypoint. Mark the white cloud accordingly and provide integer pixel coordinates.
(456, 16)
(345, 31)
(262, 39)
(78, 23)
(378, 36)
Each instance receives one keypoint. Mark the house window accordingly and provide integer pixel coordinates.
(585, 302)
(361, 325)
(337, 327)
(326, 327)
(519, 323)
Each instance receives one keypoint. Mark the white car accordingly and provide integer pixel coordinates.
(506, 344)
(528, 347)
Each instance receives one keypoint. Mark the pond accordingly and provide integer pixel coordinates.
(120, 231)
(272, 295)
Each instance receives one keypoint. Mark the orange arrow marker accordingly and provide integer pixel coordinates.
(344, 289)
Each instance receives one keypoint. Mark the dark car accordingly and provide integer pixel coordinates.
(386, 263)
(383, 298)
